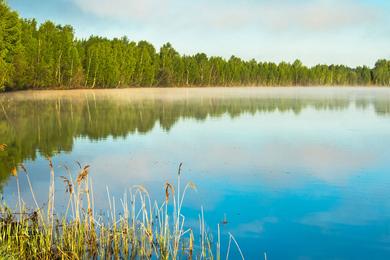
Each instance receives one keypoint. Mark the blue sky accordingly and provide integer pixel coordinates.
(351, 32)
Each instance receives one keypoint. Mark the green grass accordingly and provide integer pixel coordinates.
(145, 229)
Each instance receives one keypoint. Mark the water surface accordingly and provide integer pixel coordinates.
(301, 173)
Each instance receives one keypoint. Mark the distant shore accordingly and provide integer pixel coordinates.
(194, 87)
(180, 93)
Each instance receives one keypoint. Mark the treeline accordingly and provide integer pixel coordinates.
(49, 56)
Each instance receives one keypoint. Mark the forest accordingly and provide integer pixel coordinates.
(46, 55)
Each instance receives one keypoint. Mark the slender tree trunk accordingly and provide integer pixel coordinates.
(89, 67)
(38, 62)
(187, 76)
(59, 69)
(71, 72)
(211, 72)
(94, 77)
(141, 69)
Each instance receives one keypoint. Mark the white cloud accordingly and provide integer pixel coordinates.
(350, 32)
(124, 9)
(317, 15)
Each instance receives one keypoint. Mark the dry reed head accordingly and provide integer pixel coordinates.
(179, 170)
(141, 188)
(50, 163)
(83, 174)
(23, 168)
(68, 184)
(79, 164)
(192, 185)
(3, 147)
(65, 167)
(191, 244)
(168, 187)
(14, 172)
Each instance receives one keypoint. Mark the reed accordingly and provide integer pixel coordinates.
(146, 229)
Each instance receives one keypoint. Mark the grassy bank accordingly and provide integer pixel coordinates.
(144, 228)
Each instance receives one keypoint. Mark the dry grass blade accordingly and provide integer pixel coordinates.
(83, 174)
(3, 147)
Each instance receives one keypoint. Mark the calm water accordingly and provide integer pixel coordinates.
(301, 173)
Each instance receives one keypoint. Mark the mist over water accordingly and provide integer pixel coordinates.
(301, 173)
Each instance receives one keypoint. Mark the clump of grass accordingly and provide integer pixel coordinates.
(145, 230)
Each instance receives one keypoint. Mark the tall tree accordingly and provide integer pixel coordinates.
(10, 35)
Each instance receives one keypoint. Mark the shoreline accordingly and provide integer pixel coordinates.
(179, 93)
(194, 87)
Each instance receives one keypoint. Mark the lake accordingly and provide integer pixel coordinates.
(298, 173)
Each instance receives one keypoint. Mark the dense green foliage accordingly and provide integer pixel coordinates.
(49, 56)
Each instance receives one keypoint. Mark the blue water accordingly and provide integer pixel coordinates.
(305, 177)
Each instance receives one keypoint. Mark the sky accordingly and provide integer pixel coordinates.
(350, 32)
